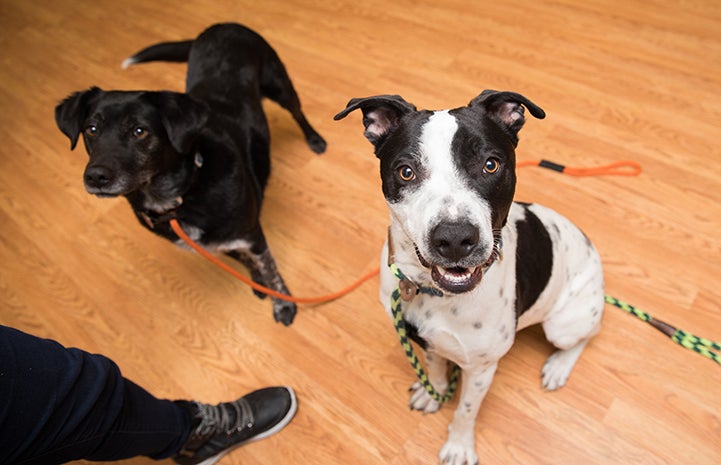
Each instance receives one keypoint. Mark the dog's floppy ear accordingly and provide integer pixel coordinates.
(381, 114)
(183, 118)
(506, 108)
(71, 112)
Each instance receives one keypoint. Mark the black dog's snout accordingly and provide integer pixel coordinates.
(98, 176)
(454, 241)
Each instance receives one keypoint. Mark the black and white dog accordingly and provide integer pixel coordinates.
(201, 157)
(449, 180)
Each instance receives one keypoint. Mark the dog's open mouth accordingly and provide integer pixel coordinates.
(456, 279)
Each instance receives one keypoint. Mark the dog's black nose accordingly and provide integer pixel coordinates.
(454, 241)
(98, 176)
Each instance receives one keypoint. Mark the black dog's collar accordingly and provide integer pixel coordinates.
(153, 218)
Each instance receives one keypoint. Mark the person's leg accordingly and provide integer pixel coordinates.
(63, 404)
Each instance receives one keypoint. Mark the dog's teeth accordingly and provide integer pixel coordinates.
(456, 277)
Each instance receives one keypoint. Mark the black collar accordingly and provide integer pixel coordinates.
(153, 217)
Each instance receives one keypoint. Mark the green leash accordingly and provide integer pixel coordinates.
(699, 345)
(407, 289)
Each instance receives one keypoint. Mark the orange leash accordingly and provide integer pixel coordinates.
(621, 168)
(301, 300)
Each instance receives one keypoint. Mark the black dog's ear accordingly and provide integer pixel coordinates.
(506, 108)
(182, 117)
(70, 114)
(381, 114)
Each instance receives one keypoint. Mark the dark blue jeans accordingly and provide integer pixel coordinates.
(58, 405)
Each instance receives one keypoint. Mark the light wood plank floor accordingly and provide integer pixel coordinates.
(618, 79)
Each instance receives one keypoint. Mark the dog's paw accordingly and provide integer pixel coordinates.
(284, 312)
(559, 365)
(316, 143)
(259, 294)
(554, 375)
(421, 400)
(458, 453)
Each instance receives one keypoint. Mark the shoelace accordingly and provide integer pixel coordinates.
(218, 418)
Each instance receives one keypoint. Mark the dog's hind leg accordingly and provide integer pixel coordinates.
(569, 332)
(276, 85)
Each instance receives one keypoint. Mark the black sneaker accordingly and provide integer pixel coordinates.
(218, 429)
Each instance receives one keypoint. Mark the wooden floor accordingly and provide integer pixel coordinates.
(618, 79)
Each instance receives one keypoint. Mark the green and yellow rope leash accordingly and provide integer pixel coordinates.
(699, 345)
(406, 290)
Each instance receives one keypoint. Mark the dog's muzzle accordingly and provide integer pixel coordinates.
(460, 279)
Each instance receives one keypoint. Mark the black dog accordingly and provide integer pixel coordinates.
(201, 157)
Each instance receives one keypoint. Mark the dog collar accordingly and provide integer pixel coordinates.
(409, 289)
(153, 218)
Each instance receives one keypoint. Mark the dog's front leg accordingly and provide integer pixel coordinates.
(459, 449)
(438, 376)
(265, 272)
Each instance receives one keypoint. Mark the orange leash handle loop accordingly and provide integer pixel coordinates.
(301, 300)
(619, 168)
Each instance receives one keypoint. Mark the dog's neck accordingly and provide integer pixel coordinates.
(164, 194)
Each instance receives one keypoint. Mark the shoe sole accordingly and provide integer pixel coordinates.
(278, 426)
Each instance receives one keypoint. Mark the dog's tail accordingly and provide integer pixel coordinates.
(164, 51)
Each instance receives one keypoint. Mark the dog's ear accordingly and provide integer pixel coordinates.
(381, 115)
(71, 113)
(183, 118)
(506, 108)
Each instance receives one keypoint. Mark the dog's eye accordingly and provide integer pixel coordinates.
(406, 173)
(491, 166)
(140, 133)
(91, 130)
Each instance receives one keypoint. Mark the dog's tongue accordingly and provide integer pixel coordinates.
(457, 280)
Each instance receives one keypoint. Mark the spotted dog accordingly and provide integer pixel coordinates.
(449, 180)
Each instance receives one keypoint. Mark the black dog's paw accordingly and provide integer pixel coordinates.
(316, 143)
(259, 294)
(284, 312)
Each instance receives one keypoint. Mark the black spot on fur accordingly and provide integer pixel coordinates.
(412, 332)
(534, 261)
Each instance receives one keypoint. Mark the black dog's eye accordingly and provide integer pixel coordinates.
(140, 133)
(491, 166)
(406, 173)
(91, 130)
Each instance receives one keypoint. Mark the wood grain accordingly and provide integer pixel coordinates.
(618, 80)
